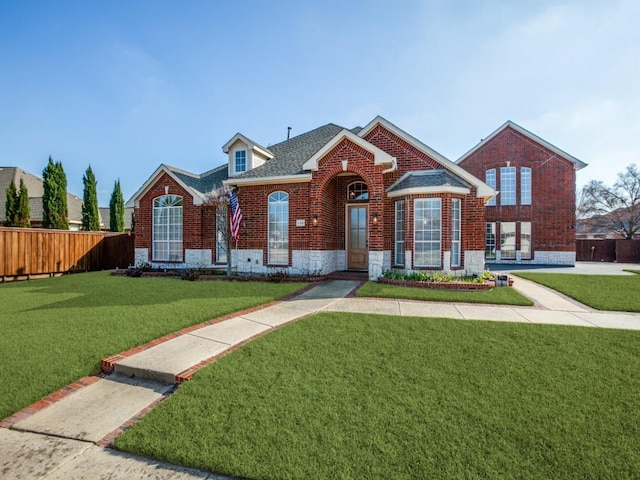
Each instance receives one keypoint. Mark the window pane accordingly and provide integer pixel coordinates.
(525, 186)
(525, 240)
(399, 233)
(508, 240)
(508, 186)
(455, 232)
(490, 242)
(427, 232)
(278, 228)
(357, 191)
(167, 228)
(490, 179)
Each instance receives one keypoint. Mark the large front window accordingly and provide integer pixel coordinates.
(508, 241)
(167, 228)
(455, 232)
(399, 234)
(278, 228)
(490, 241)
(427, 232)
(508, 186)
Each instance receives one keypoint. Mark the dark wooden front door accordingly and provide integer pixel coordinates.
(357, 238)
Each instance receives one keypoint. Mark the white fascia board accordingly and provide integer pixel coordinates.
(233, 182)
(578, 164)
(250, 143)
(424, 190)
(380, 157)
(134, 201)
(483, 189)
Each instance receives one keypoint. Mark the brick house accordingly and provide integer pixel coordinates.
(331, 199)
(533, 218)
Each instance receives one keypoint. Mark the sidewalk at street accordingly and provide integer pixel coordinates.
(64, 438)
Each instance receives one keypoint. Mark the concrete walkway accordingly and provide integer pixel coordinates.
(63, 437)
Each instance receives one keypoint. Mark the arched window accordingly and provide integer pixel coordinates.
(278, 229)
(167, 228)
(357, 191)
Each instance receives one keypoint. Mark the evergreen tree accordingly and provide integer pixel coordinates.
(90, 215)
(11, 207)
(55, 212)
(23, 211)
(116, 209)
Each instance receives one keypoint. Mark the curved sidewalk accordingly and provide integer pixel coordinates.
(62, 437)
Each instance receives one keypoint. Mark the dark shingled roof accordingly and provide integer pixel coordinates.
(428, 178)
(205, 182)
(290, 155)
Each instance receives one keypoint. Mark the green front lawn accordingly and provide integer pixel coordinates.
(57, 330)
(603, 292)
(356, 396)
(499, 296)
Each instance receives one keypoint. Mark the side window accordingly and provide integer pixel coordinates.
(490, 241)
(399, 234)
(525, 186)
(490, 179)
(455, 232)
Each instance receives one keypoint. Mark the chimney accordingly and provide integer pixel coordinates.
(288, 132)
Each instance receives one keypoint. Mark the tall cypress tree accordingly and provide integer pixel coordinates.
(23, 212)
(55, 212)
(90, 215)
(116, 209)
(11, 207)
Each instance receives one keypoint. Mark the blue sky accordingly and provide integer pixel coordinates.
(124, 86)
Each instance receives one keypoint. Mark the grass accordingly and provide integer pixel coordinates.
(363, 396)
(57, 330)
(501, 296)
(602, 292)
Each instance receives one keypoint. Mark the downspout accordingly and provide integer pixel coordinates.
(393, 167)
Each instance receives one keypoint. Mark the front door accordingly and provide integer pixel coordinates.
(357, 238)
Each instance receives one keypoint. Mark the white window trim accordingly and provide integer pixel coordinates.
(508, 197)
(235, 160)
(456, 228)
(222, 224)
(529, 189)
(284, 241)
(495, 240)
(169, 242)
(398, 260)
(491, 183)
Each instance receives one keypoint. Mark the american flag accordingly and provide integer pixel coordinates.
(236, 216)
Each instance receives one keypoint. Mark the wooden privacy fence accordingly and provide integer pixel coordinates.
(33, 251)
(608, 250)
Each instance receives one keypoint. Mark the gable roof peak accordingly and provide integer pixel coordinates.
(578, 164)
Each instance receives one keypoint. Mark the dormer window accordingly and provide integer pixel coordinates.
(241, 161)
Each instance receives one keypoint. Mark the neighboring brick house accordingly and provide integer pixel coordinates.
(369, 199)
(533, 218)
